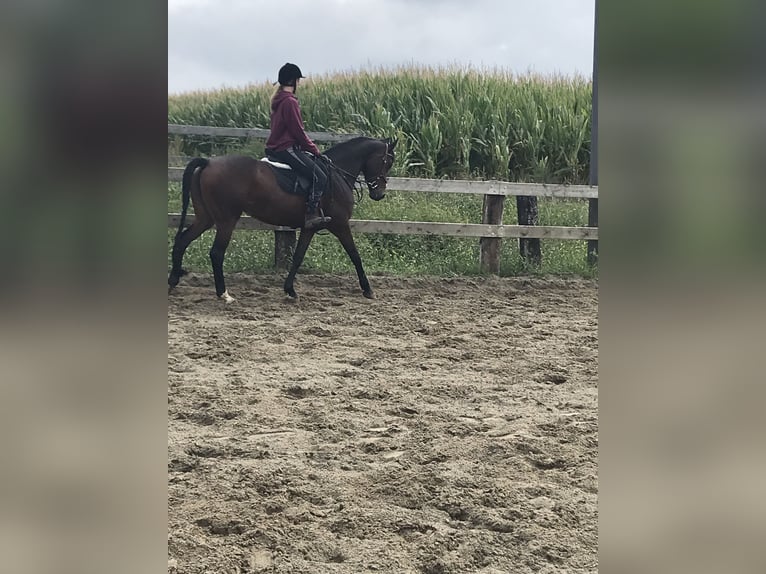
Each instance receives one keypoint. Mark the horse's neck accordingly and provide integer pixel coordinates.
(353, 161)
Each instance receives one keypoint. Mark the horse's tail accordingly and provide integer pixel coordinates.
(186, 188)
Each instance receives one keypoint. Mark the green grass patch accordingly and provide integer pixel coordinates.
(253, 251)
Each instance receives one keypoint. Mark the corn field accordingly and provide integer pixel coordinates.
(450, 122)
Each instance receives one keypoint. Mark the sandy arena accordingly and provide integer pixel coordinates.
(449, 425)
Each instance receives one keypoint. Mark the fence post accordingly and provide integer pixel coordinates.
(526, 207)
(593, 203)
(593, 222)
(284, 247)
(489, 247)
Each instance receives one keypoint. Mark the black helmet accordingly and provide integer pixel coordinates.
(289, 73)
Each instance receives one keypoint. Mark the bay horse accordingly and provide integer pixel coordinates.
(222, 188)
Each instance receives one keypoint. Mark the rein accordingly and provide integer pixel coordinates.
(349, 178)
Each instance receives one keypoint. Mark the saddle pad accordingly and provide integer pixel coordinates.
(276, 164)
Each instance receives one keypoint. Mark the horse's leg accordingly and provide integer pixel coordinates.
(300, 251)
(182, 242)
(347, 241)
(217, 252)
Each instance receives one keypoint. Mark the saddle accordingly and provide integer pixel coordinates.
(288, 179)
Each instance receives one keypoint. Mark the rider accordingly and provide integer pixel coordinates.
(288, 142)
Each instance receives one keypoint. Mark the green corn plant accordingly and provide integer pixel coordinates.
(430, 144)
(450, 121)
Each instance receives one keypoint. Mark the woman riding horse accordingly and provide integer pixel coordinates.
(222, 188)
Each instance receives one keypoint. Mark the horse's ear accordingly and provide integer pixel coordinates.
(392, 143)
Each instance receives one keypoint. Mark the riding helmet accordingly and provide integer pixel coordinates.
(288, 73)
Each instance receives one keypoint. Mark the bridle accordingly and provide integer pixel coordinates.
(372, 185)
(375, 183)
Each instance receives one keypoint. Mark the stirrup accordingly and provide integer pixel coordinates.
(314, 221)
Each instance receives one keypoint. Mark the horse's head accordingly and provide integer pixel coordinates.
(375, 168)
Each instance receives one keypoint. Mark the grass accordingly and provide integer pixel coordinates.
(253, 251)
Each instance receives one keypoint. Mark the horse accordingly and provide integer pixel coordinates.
(224, 187)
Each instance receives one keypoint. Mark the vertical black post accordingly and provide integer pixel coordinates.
(593, 203)
(284, 247)
(527, 214)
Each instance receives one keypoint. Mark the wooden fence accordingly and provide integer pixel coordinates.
(490, 231)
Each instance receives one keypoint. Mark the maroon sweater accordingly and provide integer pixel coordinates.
(287, 125)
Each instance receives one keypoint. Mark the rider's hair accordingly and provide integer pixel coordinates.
(276, 91)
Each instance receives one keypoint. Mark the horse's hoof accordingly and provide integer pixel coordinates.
(227, 298)
(369, 294)
(291, 293)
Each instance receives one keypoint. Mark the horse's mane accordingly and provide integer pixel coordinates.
(343, 147)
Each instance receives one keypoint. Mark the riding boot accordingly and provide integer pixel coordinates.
(315, 218)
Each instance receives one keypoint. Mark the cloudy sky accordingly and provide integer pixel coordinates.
(216, 43)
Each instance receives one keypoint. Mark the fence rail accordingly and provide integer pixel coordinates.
(491, 231)
(434, 228)
(183, 130)
(503, 188)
